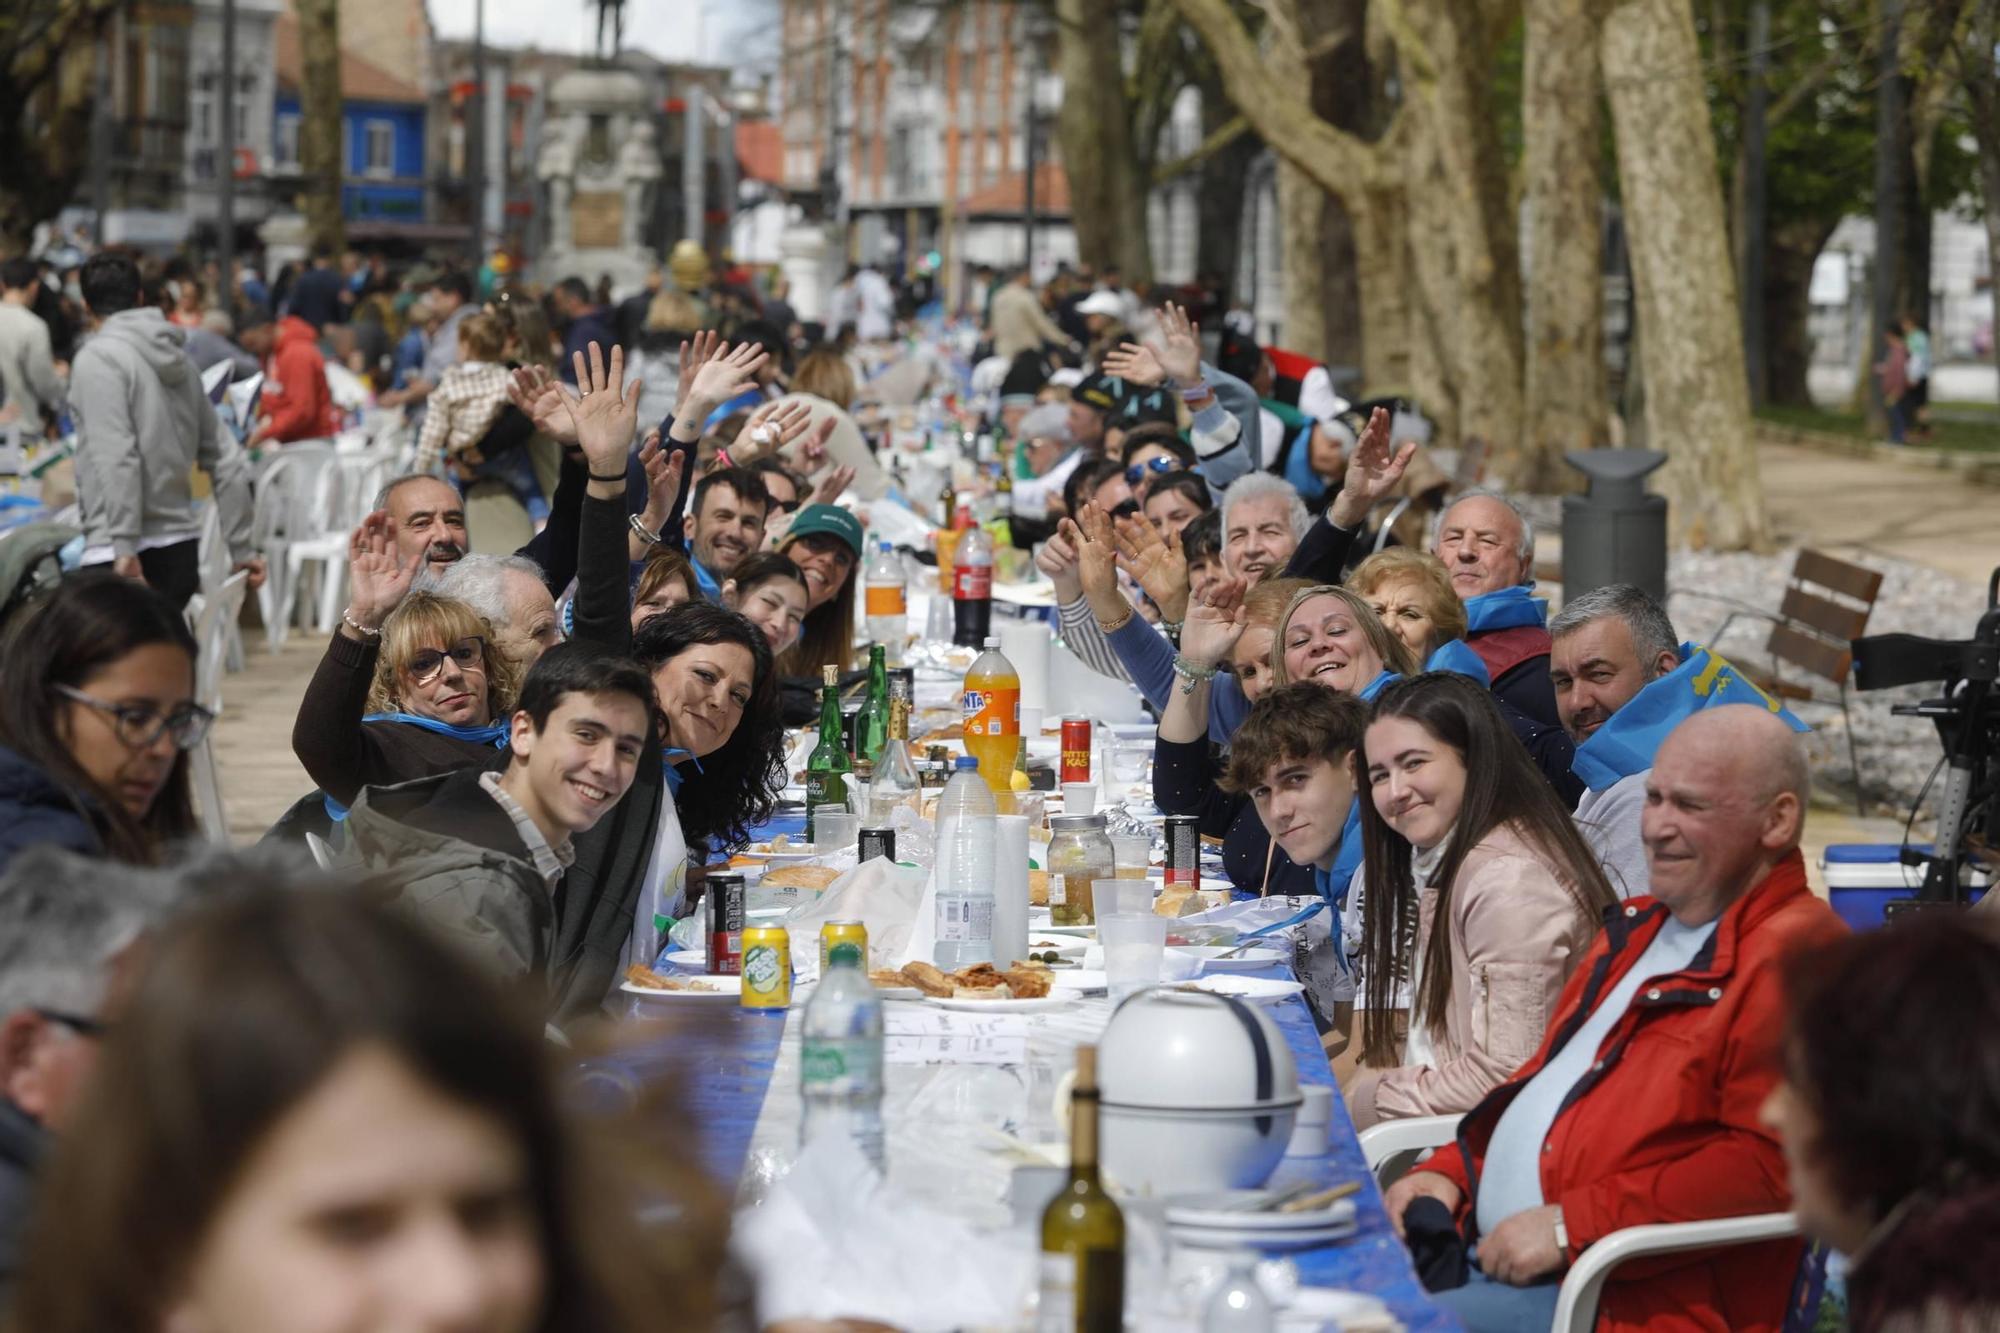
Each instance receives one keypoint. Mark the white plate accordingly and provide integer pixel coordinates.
(1211, 1210)
(898, 993)
(1256, 990)
(725, 989)
(694, 960)
(1078, 979)
(1063, 946)
(1254, 959)
(1316, 1307)
(1239, 1238)
(1035, 1006)
(1079, 932)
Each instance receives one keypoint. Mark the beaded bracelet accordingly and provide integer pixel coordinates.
(348, 620)
(1192, 673)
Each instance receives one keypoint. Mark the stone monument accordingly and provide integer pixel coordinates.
(599, 163)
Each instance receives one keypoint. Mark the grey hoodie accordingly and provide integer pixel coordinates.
(142, 425)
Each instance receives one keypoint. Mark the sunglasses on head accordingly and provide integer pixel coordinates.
(1137, 472)
(470, 654)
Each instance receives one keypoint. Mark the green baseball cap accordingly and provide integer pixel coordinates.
(830, 519)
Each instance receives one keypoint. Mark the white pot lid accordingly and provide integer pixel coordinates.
(1190, 1050)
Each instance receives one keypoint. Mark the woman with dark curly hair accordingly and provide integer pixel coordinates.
(313, 1114)
(1890, 1115)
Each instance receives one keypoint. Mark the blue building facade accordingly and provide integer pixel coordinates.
(382, 149)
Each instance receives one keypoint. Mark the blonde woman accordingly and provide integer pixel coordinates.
(411, 684)
(1411, 591)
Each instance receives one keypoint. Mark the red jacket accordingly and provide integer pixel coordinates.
(1664, 1127)
(295, 396)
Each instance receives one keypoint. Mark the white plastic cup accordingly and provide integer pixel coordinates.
(1121, 897)
(1132, 851)
(1133, 949)
(1310, 1131)
(1079, 798)
(835, 829)
(1031, 723)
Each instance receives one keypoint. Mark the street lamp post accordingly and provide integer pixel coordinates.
(225, 204)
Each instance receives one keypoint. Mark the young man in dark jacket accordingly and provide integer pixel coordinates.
(482, 856)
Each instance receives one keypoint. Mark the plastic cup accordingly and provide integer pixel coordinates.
(1079, 798)
(1121, 897)
(1132, 853)
(835, 829)
(1314, 1123)
(1133, 949)
(1031, 722)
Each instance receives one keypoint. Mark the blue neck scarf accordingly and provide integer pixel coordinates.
(671, 758)
(1455, 657)
(1630, 737)
(494, 734)
(711, 587)
(1509, 608)
(1298, 467)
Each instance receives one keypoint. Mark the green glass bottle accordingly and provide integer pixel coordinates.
(828, 766)
(1083, 1232)
(871, 728)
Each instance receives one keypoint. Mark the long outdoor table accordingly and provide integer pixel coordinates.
(726, 1056)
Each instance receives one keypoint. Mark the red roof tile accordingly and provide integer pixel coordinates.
(359, 80)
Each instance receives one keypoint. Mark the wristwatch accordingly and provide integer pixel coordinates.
(1562, 1233)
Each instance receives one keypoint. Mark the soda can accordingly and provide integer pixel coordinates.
(878, 842)
(842, 932)
(723, 908)
(1075, 749)
(767, 967)
(1183, 851)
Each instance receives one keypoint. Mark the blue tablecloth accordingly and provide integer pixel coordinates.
(729, 1053)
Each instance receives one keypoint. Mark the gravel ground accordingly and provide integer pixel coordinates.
(1896, 753)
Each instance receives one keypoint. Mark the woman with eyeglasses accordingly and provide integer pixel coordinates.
(410, 687)
(96, 722)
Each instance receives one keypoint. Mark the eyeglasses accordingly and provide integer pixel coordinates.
(789, 506)
(77, 1023)
(470, 654)
(1128, 509)
(141, 725)
(1137, 472)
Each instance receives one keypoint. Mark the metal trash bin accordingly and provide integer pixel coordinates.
(1615, 532)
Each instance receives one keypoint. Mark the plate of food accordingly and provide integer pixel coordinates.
(1021, 988)
(660, 986)
(780, 850)
(976, 1004)
(1063, 946)
(1257, 990)
(691, 960)
(891, 984)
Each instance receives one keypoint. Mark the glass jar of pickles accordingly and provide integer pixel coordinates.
(1080, 852)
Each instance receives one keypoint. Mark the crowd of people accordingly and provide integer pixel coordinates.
(1555, 861)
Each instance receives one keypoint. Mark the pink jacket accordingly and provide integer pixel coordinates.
(1516, 935)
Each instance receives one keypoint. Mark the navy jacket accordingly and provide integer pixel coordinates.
(35, 810)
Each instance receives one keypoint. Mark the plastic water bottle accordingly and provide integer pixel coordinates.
(886, 593)
(840, 1057)
(968, 830)
(1239, 1305)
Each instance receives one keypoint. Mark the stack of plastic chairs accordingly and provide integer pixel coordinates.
(221, 607)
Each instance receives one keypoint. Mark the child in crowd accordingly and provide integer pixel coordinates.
(462, 410)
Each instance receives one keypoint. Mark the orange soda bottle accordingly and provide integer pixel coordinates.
(993, 720)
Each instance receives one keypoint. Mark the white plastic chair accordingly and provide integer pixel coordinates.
(214, 562)
(287, 482)
(340, 500)
(1395, 1142)
(219, 611)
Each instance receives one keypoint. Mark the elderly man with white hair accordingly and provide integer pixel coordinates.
(68, 926)
(509, 592)
(1642, 1104)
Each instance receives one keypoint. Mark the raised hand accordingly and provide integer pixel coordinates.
(377, 577)
(771, 428)
(1374, 466)
(695, 353)
(1180, 345)
(722, 377)
(1155, 562)
(833, 485)
(1056, 557)
(1135, 363)
(1097, 559)
(813, 452)
(605, 420)
(663, 479)
(539, 396)
(1214, 624)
